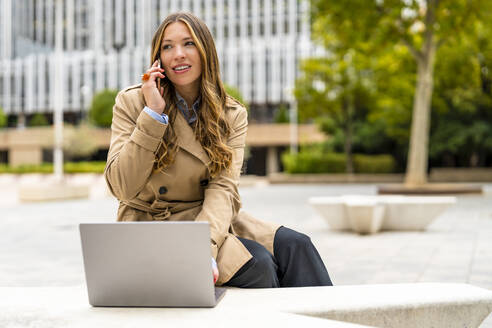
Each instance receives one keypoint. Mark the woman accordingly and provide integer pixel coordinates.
(177, 148)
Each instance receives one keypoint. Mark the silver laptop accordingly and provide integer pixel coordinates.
(149, 264)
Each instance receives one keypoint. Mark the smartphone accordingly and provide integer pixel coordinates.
(159, 79)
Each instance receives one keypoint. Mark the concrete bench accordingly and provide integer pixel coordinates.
(369, 214)
(393, 305)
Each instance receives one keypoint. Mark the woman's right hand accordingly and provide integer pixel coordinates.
(152, 95)
(215, 270)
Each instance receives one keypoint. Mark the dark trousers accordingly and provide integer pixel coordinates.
(295, 263)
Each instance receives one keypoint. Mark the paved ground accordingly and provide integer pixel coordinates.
(40, 245)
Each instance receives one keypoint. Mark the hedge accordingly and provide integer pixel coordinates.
(38, 119)
(69, 167)
(315, 162)
(374, 163)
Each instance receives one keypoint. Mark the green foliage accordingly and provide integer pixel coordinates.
(458, 142)
(101, 109)
(27, 168)
(382, 24)
(461, 131)
(363, 67)
(384, 42)
(372, 138)
(38, 119)
(3, 118)
(312, 162)
(236, 94)
(84, 167)
(369, 138)
(337, 88)
(374, 163)
(317, 162)
(70, 167)
(327, 125)
(336, 92)
(282, 114)
(394, 80)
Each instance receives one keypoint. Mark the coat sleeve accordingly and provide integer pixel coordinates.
(222, 202)
(135, 137)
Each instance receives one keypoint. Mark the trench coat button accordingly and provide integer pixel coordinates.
(162, 190)
(204, 182)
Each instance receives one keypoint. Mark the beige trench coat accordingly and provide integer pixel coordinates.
(184, 190)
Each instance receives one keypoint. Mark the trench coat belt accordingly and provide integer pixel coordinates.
(164, 214)
(161, 209)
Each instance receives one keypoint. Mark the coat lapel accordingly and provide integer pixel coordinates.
(187, 140)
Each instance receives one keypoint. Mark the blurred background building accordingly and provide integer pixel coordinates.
(107, 45)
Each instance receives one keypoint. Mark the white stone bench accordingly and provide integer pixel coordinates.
(371, 213)
(394, 305)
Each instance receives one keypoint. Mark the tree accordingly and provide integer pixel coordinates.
(461, 133)
(3, 118)
(38, 119)
(281, 114)
(236, 94)
(336, 91)
(422, 26)
(101, 110)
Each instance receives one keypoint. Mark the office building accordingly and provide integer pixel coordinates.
(107, 43)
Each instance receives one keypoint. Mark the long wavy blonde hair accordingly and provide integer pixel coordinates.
(211, 128)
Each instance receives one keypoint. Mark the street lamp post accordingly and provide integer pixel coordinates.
(85, 91)
(294, 134)
(58, 189)
(118, 45)
(58, 93)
